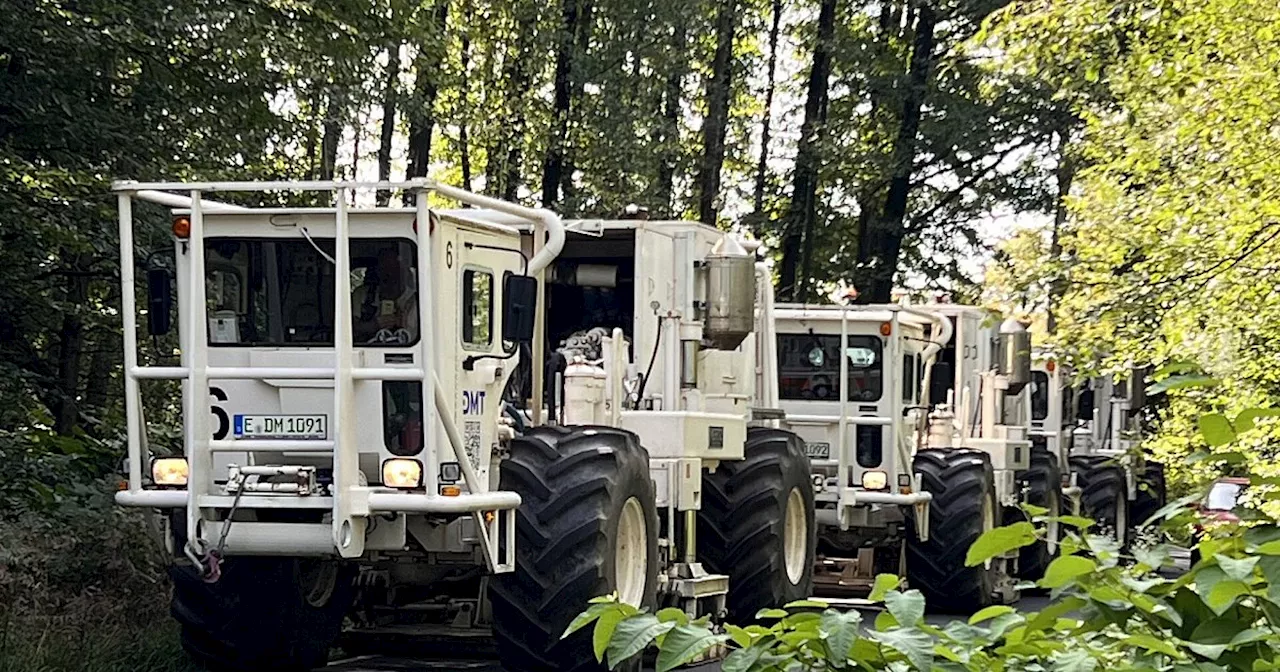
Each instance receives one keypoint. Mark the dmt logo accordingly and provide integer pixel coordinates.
(472, 402)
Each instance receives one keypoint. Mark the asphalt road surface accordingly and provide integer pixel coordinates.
(462, 662)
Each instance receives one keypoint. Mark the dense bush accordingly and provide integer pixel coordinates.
(82, 581)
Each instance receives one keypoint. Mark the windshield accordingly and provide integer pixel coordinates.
(809, 367)
(280, 291)
(1039, 395)
(1223, 496)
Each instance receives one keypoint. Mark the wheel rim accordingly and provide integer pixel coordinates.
(318, 578)
(795, 537)
(1122, 517)
(631, 557)
(988, 522)
(1051, 530)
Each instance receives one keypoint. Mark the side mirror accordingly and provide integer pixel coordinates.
(159, 301)
(1084, 405)
(519, 301)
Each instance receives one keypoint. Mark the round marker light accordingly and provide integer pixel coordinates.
(402, 472)
(169, 471)
(182, 227)
(1050, 366)
(886, 328)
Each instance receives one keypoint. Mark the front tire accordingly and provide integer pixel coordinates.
(757, 524)
(263, 613)
(1151, 493)
(1044, 489)
(1103, 496)
(963, 487)
(587, 526)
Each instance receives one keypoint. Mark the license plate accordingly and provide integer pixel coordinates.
(818, 451)
(314, 427)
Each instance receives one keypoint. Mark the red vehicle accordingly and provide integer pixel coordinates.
(1218, 507)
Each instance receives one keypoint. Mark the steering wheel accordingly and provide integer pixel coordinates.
(397, 336)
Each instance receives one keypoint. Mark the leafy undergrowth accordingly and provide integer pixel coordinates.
(82, 587)
(1110, 610)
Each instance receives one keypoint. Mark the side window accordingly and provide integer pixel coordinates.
(477, 307)
(910, 378)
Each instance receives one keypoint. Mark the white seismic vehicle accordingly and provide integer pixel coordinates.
(468, 420)
(923, 411)
(1092, 425)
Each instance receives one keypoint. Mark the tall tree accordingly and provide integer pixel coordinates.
(797, 244)
(574, 30)
(669, 133)
(880, 243)
(421, 109)
(389, 97)
(766, 117)
(716, 123)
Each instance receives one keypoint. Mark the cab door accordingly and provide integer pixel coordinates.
(481, 366)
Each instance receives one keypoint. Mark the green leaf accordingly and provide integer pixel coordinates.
(1033, 510)
(1182, 382)
(1074, 661)
(999, 541)
(989, 613)
(771, 613)
(884, 583)
(1066, 568)
(1210, 651)
(1224, 594)
(587, 617)
(1153, 644)
(1078, 522)
(886, 621)
(672, 614)
(1240, 570)
(840, 629)
(907, 608)
(1248, 417)
(683, 644)
(910, 642)
(1270, 548)
(633, 635)
(743, 659)
(606, 625)
(739, 636)
(1152, 557)
(806, 604)
(1249, 636)
(1216, 429)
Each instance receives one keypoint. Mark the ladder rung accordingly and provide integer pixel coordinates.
(273, 445)
(266, 502)
(286, 373)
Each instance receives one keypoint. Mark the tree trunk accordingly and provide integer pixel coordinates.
(464, 143)
(766, 119)
(576, 14)
(313, 137)
(670, 133)
(1065, 175)
(421, 112)
(879, 247)
(797, 243)
(716, 125)
(332, 133)
(66, 413)
(389, 97)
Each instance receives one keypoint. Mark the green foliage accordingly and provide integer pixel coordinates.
(1108, 610)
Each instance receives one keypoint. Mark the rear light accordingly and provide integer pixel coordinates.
(182, 227)
(450, 490)
(875, 480)
(886, 328)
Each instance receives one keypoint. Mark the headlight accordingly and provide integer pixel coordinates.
(875, 480)
(169, 471)
(402, 472)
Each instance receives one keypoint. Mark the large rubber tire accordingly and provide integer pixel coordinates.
(263, 613)
(757, 524)
(963, 487)
(1043, 479)
(575, 484)
(1103, 495)
(1151, 494)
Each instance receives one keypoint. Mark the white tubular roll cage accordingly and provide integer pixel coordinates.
(352, 503)
(851, 497)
